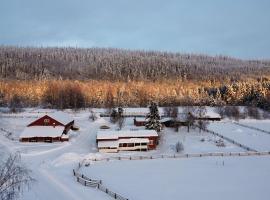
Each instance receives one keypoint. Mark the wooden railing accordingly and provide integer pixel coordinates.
(251, 127)
(177, 156)
(8, 133)
(229, 140)
(84, 180)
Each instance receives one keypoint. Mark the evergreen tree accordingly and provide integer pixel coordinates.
(153, 118)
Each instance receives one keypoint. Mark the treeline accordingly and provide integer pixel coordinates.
(79, 94)
(25, 63)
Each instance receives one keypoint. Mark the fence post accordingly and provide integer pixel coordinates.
(84, 183)
(73, 172)
(115, 195)
(78, 179)
(106, 190)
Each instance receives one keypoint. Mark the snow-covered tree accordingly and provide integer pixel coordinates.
(153, 118)
(179, 147)
(189, 116)
(200, 114)
(14, 177)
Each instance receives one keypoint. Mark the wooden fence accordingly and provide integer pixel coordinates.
(229, 140)
(251, 127)
(84, 180)
(176, 156)
(8, 133)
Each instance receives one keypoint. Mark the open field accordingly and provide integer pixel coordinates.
(188, 178)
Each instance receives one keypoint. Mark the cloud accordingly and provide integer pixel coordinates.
(237, 28)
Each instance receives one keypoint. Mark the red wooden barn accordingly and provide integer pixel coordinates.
(52, 127)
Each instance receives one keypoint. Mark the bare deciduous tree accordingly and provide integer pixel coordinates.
(14, 178)
(179, 147)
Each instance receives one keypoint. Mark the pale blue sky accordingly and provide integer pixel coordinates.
(239, 28)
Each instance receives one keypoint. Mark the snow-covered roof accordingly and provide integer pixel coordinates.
(60, 116)
(165, 119)
(65, 136)
(110, 134)
(42, 131)
(140, 119)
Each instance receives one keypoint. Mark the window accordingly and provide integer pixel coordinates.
(143, 144)
(137, 144)
(151, 142)
(130, 145)
(120, 145)
(46, 121)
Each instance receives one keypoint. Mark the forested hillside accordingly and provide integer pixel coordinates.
(117, 64)
(75, 78)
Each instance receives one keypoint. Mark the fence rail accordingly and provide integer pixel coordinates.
(252, 127)
(193, 155)
(8, 134)
(84, 180)
(88, 182)
(229, 140)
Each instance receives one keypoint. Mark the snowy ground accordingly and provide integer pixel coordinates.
(242, 178)
(52, 164)
(261, 124)
(252, 138)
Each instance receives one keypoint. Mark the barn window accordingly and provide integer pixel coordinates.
(46, 121)
(151, 142)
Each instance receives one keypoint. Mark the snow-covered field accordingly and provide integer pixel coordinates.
(190, 178)
(241, 178)
(261, 124)
(252, 138)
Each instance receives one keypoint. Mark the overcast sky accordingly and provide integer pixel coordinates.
(239, 28)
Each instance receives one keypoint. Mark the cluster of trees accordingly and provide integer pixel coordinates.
(78, 78)
(236, 113)
(81, 94)
(118, 64)
(117, 116)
